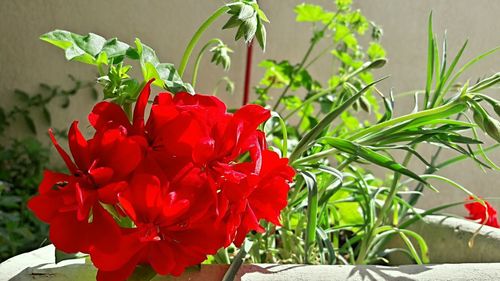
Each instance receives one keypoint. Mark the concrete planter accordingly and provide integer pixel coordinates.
(447, 238)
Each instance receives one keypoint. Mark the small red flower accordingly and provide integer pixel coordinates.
(482, 214)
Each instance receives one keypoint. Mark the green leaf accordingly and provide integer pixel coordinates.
(430, 61)
(486, 83)
(249, 19)
(165, 74)
(88, 49)
(309, 13)
(312, 209)
(22, 95)
(246, 12)
(323, 238)
(29, 122)
(421, 242)
(173, 82)
(115, 50)
(221, 55)
(261, 36)
(233, 21)
(375, 51)
(46, 115)
(370, 155)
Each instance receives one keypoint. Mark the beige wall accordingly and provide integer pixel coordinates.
(167, 25)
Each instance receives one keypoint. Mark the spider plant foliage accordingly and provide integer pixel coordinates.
(338, 211)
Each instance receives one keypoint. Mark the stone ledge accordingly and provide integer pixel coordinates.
(39, 265)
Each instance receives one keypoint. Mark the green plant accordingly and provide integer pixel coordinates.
(339, 212)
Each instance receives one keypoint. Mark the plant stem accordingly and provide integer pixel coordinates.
(248, 73)
(196, 37)
(200, 56)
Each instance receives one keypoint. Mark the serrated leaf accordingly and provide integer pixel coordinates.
(375, 51)
(309, 13)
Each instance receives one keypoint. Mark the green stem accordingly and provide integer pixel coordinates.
(196, 37)
(200, 56)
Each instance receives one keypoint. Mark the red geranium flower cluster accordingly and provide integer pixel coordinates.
(482, 214)
(167, 191)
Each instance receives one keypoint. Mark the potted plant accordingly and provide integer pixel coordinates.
(162, 188)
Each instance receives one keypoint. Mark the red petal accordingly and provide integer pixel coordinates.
(101, 175)
(161, 258)
(140, 106)
(45, 207)
(108, 194)
(50, 179)
(79, 147)
(104, 233)
(127, 254)
(107, 115)
(71, 166)
(68, 234)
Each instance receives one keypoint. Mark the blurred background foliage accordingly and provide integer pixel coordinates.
(23, 159)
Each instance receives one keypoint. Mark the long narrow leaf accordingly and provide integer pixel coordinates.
(370, 155)
(312, 210)
(430, 62)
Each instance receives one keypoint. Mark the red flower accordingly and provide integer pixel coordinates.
(174, 227)
(70, 203)
(482, 214)
(190, 179)
(258, 196)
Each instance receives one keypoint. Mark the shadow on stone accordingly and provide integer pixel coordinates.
(374, 273)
